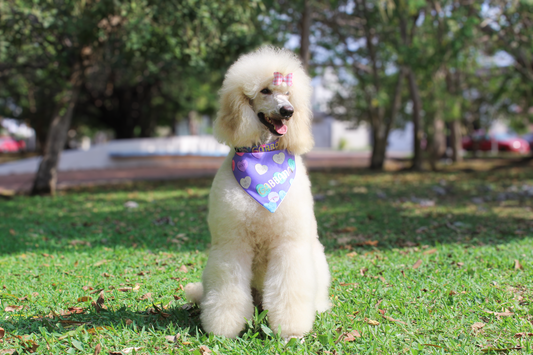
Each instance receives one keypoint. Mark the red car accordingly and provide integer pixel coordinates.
(9, 145)
(502, 142)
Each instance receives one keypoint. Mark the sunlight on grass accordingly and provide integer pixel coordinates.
(421, 263)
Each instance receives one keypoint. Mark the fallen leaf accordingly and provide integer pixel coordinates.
(352, 254)
(371, 243)
(351, 336)
(94, 330)
(13, 308)
(403, 273)
(363, 270)
(72, 322)
(96, 291)
(12, 232)
(347, 230)
(460, 264)
(105, 274)
(501, 314)
(35, 294)
(417, 264)
(517, 265)
(84, 299)
(125, 289)
(520, 335)
(183, 268)
(478, 326)
(394, 320)
(371, 321)
(146, 296)
(22, 299)
(430, 251)
(136, 288)
(8, 352)
(348, 284)
(173, 338)
(28, 344)
(421, 230)
(87, 288)
(501, 350)
(101, 262)
(100, 299)
(97, 349)
(2, 333)
(129, 350)
(176, 297)
(452, 293)
(204, 350)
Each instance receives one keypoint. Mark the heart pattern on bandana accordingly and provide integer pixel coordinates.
(245, 182)
(261, 169)
(279, 158)
(271, 206)
(292, 164)
(265, 173)
(263, 189)
(242, 165)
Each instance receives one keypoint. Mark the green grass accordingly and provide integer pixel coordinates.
(54, 251)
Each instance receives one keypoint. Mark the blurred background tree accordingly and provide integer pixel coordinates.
(131, 66)
(123, 65)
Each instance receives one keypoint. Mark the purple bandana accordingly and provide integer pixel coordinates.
(265, 173)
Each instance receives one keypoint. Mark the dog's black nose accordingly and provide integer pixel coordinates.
(286, 111)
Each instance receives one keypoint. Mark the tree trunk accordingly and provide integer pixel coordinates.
(417, 121)
(381, 130)
(379, 149)
(438, 142)
(46, 178)
(456, 141)
(305, 28)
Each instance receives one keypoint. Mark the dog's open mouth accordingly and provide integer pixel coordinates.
(276, 126)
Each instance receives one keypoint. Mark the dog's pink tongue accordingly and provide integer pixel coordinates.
(280, 127)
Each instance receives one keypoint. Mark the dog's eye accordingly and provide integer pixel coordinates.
(266, 91)
(287, 93)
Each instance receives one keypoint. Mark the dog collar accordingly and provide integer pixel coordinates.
(265, 173)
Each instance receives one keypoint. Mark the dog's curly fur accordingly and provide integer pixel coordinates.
(277, 255)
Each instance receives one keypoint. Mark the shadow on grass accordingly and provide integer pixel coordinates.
(356, 206)
(183, 319)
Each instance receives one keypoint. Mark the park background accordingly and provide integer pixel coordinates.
(430, 251)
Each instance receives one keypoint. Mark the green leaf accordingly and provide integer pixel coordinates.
(266, 330)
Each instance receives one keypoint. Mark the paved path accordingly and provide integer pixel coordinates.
(185, 167)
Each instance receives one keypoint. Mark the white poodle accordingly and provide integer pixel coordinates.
(263, 250)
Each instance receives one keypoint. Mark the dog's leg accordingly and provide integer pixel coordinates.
(227, 299)
(323, 277)
(290, 288)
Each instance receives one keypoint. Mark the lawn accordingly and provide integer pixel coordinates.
(422, 263)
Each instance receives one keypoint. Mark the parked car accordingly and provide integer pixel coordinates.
(529, 138)
(502, 142)
(10, 145)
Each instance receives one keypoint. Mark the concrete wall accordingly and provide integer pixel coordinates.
(126, 153)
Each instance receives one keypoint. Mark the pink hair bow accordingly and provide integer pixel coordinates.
(279, 78)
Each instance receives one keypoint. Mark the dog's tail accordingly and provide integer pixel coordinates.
(194, 292)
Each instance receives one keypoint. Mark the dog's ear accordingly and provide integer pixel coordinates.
(236, 119)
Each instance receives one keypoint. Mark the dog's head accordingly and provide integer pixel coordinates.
(266, 95)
